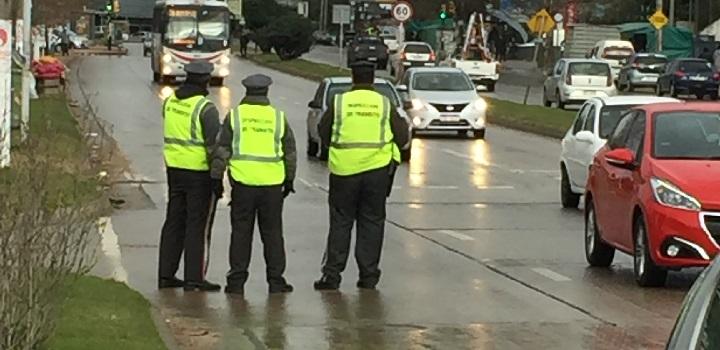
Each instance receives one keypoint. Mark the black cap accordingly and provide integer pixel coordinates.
(199, 68)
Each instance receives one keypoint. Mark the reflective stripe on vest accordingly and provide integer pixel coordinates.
(362, 138)
(257, 158)
(184, 146)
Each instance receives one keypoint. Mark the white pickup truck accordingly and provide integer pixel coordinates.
(481, 70)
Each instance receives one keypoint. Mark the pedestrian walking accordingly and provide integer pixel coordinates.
(192, 124)
(244, 41)
(365, 134)
(65, 42)
(260, 146)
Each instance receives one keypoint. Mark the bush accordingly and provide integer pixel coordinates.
(290, 36)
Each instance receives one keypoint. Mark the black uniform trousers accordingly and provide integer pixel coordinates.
(187, 224)
(358, 199)
(266, 204)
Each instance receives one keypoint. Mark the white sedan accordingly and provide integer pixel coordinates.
(443, 99)
(594, 123)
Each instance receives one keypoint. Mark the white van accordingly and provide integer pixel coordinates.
(615, 52)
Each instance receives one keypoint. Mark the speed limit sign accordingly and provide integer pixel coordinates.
(402, 11)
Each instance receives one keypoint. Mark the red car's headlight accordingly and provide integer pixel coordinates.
(670, 195)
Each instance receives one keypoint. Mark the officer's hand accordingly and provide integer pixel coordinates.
(218, 188)
(288, 187)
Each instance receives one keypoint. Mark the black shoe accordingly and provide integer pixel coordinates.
(366, 285)
(325, 283)
(234, 290)
(287, 288)
(203, 286)
(167, 283)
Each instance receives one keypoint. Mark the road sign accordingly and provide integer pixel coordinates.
(541, 23)
(341, 14)
(402, 11)
(658, 19)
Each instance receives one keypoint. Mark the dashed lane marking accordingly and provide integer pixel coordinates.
(457, 235)
(551, 274)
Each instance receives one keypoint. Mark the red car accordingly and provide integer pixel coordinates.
(654, 191)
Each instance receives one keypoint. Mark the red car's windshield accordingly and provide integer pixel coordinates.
(687, 135)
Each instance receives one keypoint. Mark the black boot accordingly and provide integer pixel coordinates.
(284, 288)
(167, 283)
(203, 286)
(238, 290)
(366, 285)
(326, 283)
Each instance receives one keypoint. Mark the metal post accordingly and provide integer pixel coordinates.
(672, 12)
(342, 43)
(659, 46)
(27, 74)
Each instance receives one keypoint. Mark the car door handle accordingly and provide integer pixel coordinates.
(613, 176)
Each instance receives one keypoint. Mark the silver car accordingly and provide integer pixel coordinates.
(325, 94)
(642, 70)
(574, 81)
(444, 99)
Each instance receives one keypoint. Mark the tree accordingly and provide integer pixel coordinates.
(259, 13)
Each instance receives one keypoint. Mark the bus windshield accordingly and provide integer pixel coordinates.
(196, 28)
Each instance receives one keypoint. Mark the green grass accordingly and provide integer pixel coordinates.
(101, 314)
(534, 119)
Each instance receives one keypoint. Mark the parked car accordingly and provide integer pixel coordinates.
(574, 81)
(411, 54)
(324, 38)
(642, 70)
(594, 123)
(699, 321)
(653, 192)
(614, 52)
(689, 76)
(325, 95)
(444, 99)
(371, 48)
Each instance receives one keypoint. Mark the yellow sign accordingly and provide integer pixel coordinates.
(658, 19)
(541, 23)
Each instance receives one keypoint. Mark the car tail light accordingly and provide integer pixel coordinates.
(568, 80)
(497, 69)
(679, 74)
(403, 56)
(610, 80)
(716, 76)
(432, 56)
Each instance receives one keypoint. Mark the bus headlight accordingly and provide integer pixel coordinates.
(167, 58)
(167, 70)
(224, 72)
(225, 60)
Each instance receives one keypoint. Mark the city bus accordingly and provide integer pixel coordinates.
(190, 30)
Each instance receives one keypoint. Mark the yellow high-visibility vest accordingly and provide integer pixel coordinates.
(184, 146)
(257, 158)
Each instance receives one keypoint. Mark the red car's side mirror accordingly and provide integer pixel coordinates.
(621, 157)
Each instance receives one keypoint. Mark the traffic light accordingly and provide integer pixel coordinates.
(443, 12)
(109, 6)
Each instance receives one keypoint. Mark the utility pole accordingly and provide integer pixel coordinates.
(672, 12)
(27, 74)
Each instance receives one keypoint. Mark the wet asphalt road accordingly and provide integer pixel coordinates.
(478, 253)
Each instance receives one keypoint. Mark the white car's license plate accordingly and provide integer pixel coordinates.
(450, 119)
(372, 59)
(589, 93)
(698, 78)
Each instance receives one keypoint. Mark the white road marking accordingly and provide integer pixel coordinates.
(457, 235)
(437, 187)
(305, 182)
(495, 187)
(111, 249)
(551, 274)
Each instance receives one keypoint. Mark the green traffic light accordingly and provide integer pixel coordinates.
(443, 15)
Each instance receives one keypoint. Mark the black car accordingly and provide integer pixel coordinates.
(371, 48)
(689, 76)
(698, 326)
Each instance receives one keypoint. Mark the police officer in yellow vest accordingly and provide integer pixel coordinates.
(191, 124)
(365, 133)
(260, 146)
